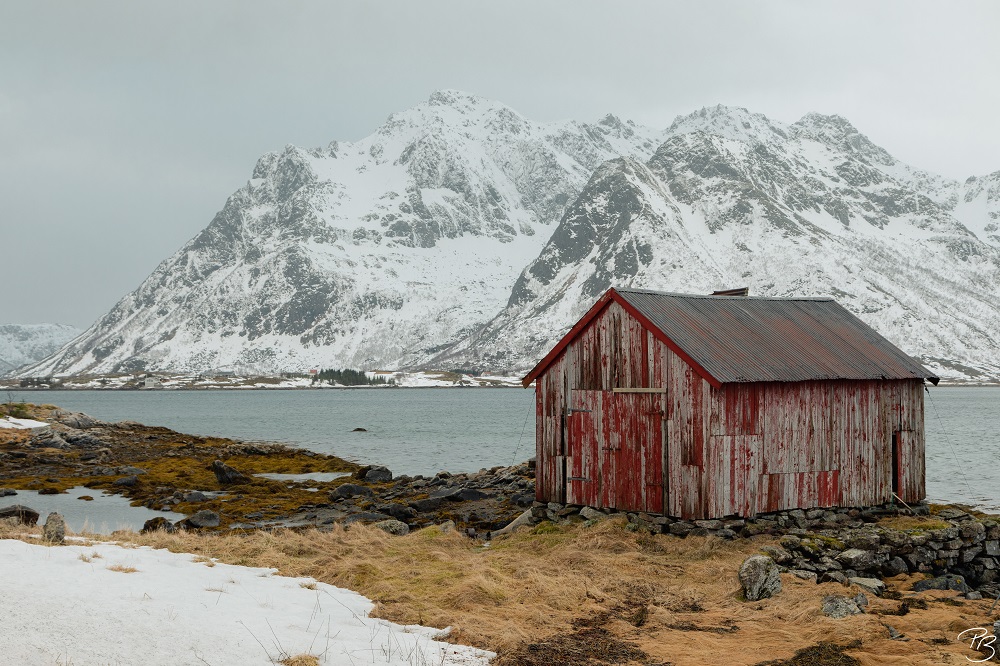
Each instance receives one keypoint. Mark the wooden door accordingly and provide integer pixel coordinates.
(583, 475)
(631, 460)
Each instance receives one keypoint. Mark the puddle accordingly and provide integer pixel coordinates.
(103, 515)
(311, 476)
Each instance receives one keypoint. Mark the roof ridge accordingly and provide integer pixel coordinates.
(672, 294)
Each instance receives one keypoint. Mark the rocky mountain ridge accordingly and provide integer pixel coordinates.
(734, 199)
(461, 234)
(368, 254)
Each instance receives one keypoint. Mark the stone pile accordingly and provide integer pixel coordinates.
(843, 545)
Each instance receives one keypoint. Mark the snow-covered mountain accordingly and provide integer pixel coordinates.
(461, 234)
(29, 343)
(731, 199)
(369, 254)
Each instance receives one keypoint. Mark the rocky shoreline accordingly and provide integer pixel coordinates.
(213, 484)
(217, 484)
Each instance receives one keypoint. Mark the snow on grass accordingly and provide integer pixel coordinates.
(11, 423)
(106, 604)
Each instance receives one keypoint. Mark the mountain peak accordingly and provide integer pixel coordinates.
(731, 122)
(838, 132)
(459, 99)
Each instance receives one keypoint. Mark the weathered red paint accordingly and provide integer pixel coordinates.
(697, 450)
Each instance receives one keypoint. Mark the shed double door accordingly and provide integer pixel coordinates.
(614, 452)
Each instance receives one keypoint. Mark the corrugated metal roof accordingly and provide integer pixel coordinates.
(753, 339)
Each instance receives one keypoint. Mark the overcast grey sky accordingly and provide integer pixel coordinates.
(125, 125)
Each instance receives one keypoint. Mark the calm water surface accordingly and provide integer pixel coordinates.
(423, 431)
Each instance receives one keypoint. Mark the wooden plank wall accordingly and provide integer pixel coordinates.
(615, 351)
(741, 449)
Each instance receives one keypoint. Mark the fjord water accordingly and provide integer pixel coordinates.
(423, 431)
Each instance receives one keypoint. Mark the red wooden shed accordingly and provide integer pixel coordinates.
(714, 406)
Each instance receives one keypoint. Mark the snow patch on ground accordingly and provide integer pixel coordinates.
(69, 605)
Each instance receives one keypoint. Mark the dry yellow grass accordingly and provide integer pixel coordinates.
(121, 568)
(676, 600)
(300, 660)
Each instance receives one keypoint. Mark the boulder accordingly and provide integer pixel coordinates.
(347, 490)
(203, 518)
(7, 492)
(857, 559)
(126, 481)
(378, 474)
(226, 475)
(366, 517)
(778, 554)
(895, 567)
(590, 513)
(872, 585)
(158, 523)
(395, 527)
(759, 578)
(134, 471)
(54, 530)
(946, 582)
(425, 505)
(21, 513)
(839, 607)
(400, 512)
(194, 496)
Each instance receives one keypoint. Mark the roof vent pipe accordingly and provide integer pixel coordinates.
(739, 291)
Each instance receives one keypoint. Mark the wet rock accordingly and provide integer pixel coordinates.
(839, 607)
(7, 492)
(226, 475)
(347, 490)
(378, 474)
(203, 518)
(158, 523)
(396, 527)
(946, 582)
(54, 530)
(20, 513)
(126, 481)
(759, 578)
(360, 430)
